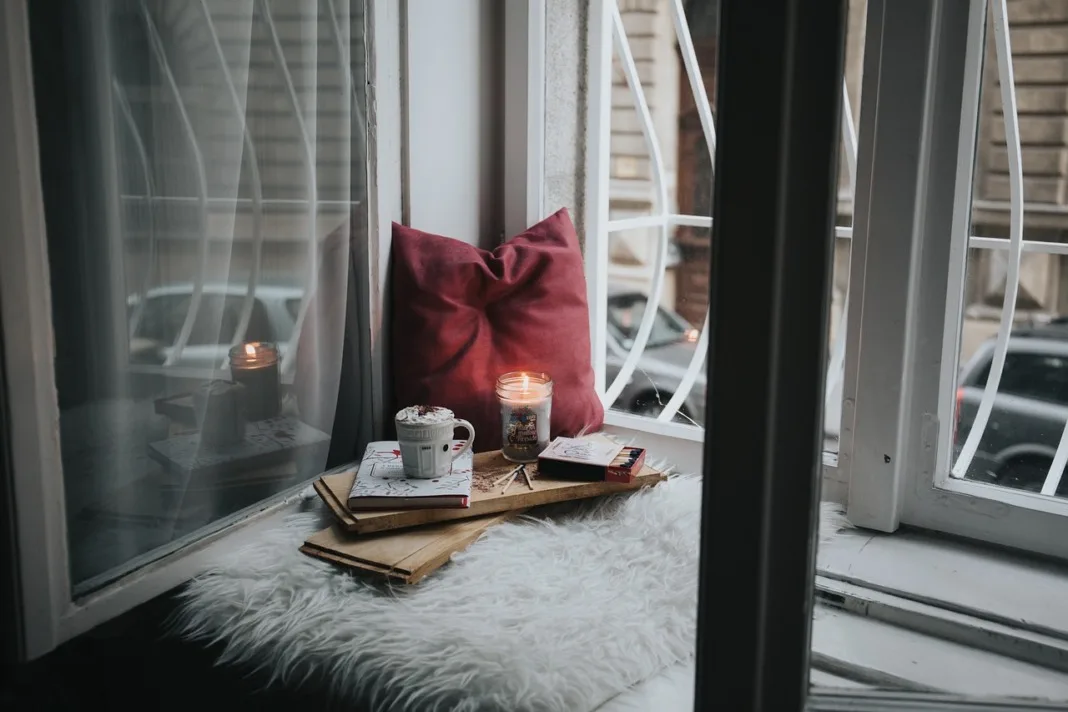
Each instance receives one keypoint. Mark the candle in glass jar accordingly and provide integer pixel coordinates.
(255, 366)
(526, 404)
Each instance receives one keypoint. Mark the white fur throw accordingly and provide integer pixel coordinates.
(555, 613)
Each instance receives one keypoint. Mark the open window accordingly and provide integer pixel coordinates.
(651, 146)
(220, 173)
(186, 179)
(973, 443)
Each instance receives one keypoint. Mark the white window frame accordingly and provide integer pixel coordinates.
(903, 325)
(49, 615)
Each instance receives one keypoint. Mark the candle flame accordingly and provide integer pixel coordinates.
(526, 382)
(250, 349)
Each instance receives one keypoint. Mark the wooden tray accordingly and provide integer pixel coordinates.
(403, 557)
(334, 490)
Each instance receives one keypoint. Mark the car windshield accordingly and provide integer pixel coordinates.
(1039, 376)
(625, 312)
(216, 319)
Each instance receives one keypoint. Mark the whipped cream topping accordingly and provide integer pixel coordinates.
(424, 415)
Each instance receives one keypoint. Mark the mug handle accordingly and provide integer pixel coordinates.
(461, 423)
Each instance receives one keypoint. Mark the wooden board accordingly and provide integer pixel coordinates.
(334, 490)
(404, 557)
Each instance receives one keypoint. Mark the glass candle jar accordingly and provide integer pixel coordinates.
(255, 366)
(526, 403)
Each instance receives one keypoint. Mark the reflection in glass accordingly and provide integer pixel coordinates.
(209, 190)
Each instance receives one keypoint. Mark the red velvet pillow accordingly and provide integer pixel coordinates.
(463, 316)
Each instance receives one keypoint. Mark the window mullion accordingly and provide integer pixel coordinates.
(882, 319)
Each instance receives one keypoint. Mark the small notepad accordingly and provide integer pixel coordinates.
(380, 482)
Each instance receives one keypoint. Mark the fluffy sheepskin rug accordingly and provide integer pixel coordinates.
(559, 612)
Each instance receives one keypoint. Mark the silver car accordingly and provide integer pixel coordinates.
(274, 312)
(660, 370)
(1029, 411)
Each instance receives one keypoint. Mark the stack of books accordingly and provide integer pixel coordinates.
(401, 528)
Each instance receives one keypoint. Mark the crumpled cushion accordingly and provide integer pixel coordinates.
(462, 316)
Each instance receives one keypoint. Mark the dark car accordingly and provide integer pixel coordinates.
(660, 370)
(1029, 412)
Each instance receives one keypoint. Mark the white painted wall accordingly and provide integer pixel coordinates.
(455, 119)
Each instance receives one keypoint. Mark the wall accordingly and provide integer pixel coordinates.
(455, 116)
(566, 32)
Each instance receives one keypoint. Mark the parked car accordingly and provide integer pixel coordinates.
(1029, 412)
(662, 365)
(274, 313)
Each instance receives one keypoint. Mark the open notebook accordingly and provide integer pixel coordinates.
(380, 482)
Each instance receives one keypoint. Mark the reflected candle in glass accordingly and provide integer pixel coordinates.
(526, 404)
(255, 366)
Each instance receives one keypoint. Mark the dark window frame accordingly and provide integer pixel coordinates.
(779, 70)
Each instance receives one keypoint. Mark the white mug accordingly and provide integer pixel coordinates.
(425, 436)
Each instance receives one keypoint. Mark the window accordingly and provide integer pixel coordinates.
(978, 415)
(1037, 376)
(185, 251)
(227, 182)
(625, 312)
(205, 184)
(652, 144)
(217, 321)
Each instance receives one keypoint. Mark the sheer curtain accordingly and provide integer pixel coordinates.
(204, 180)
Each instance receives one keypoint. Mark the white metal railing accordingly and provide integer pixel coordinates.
(150, 194)
(665, 220)
(203, 202)
(160, 55)
(1015, 244)
(708, 128)
(257, 185)
(308, 142)
(832, 391)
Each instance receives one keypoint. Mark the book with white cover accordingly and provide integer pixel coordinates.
(380, 482)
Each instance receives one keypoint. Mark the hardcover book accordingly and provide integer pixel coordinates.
(380, 482)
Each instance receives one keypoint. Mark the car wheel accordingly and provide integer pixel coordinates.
(1025, 473)
(648, 406)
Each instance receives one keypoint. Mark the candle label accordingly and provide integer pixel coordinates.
(522, 429)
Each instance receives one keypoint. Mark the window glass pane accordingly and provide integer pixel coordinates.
(660, 166)
(1015, 445)
(672, 199)
(203, 161)
(1037, 376)
(625, 312)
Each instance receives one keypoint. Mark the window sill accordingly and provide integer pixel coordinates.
(683, 447)
(920, 612)
(909, 635)
(967, 577)
(174, 569)
(985, 609)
